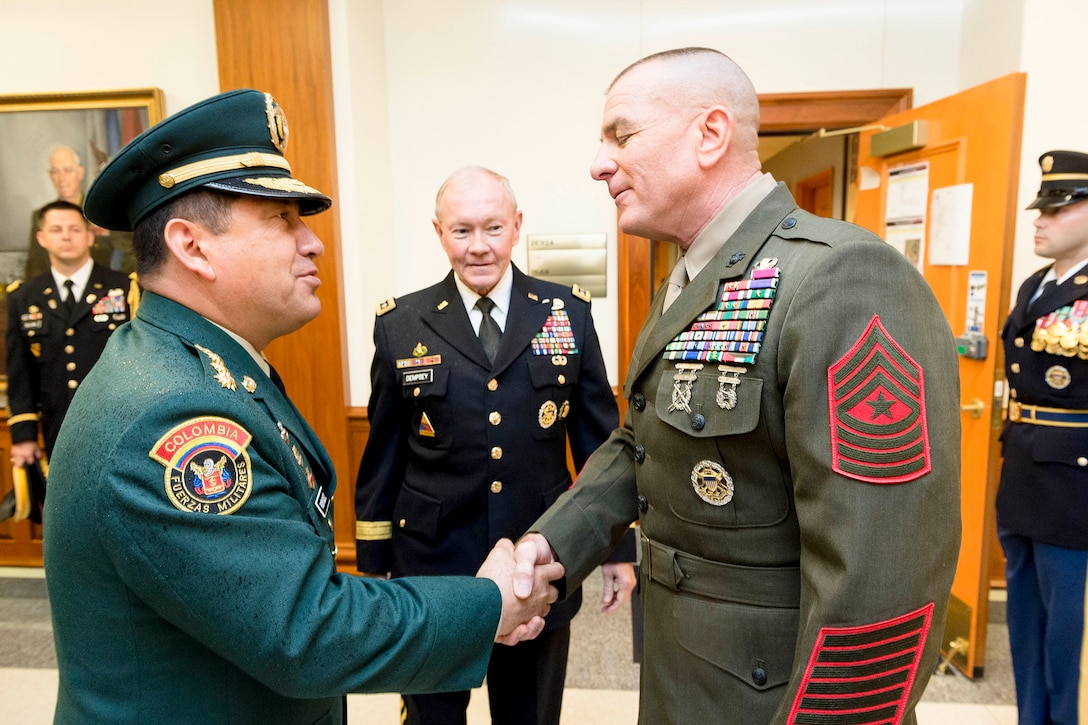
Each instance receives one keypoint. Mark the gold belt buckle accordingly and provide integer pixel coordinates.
(1014, 411)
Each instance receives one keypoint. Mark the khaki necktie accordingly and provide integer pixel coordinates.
(677, 281)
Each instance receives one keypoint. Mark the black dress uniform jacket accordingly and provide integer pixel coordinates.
(1046, 465)
(463, 452)
(50, 353)
(800, 515)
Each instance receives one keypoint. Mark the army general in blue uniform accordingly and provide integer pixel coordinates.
(1042, 502)
(189, 553)
(470, 413)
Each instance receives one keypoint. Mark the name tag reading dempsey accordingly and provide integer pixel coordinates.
(415, 377)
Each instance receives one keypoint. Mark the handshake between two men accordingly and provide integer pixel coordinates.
(524, 576)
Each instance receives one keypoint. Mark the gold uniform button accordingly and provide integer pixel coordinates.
(1082, 461)
(70, 331)
(496, 486)
(1015, 367)
(415, 393)
(492, 384)
(73, 384)
(68, 349)
(496, 453)
(70, 367)
(495, 417)
(562, 379)
(1019, 342)
(113, 326)
(401, 523)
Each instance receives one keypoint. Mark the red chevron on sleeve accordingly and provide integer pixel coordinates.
(862, 675)
(878, 413)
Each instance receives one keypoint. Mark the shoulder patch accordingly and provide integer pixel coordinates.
(14, 286)
(581, 293)
(384, 306)
(208, 469)
(878, 412)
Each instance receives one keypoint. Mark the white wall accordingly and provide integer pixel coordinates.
(53, 46)
(425, 86)
(518, 85)
(1052, 55)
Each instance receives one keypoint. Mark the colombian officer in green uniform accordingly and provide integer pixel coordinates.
(791, 446)
(189, 553)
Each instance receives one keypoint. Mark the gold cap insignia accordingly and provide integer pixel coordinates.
(277, 123)
(1047, 163)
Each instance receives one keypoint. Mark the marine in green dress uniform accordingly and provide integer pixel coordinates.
(189, 550)
(791, 446)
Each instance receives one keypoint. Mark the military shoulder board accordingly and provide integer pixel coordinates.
(732, 331)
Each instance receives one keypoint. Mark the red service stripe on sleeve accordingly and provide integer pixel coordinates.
(862, 675)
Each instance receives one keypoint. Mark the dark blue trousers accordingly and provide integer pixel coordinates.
(1045, 613)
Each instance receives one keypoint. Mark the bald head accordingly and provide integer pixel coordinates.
(679, 140)
(691, 79)
(66, 173)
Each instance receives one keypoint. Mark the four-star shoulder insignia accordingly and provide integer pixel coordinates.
(581, 293)
(387, 305)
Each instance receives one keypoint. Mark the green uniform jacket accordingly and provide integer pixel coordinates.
(189, 552)
(801, 525)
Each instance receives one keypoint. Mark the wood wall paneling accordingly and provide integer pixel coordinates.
(282, 47)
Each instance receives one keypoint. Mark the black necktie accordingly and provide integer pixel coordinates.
(276, 380)
(1050, 285)
(70, 297)
(490, 334)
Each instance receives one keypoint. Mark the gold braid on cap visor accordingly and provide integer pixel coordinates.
(252, 159)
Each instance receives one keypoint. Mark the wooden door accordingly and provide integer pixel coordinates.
(973, 138)
(814, 193)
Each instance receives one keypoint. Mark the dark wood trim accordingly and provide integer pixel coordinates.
(780, 113)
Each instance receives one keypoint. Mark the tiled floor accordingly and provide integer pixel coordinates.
(601, 682)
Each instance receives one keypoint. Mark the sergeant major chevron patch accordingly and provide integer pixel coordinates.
(878, 417)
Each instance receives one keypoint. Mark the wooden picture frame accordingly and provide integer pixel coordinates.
(35, 169)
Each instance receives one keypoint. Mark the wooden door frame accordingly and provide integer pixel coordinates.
(780, 113)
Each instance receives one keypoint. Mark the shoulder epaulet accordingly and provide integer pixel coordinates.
(14, 286)
(133, 294)
(384, 306)
(581, 293)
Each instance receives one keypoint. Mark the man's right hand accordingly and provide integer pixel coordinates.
(522, 614)
(25, 453)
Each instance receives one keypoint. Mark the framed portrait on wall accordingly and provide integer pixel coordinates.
(52, 147)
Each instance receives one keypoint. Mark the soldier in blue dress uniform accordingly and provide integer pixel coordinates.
(469, 444)
(58, 324)
(189, 554)
(1042, 501)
